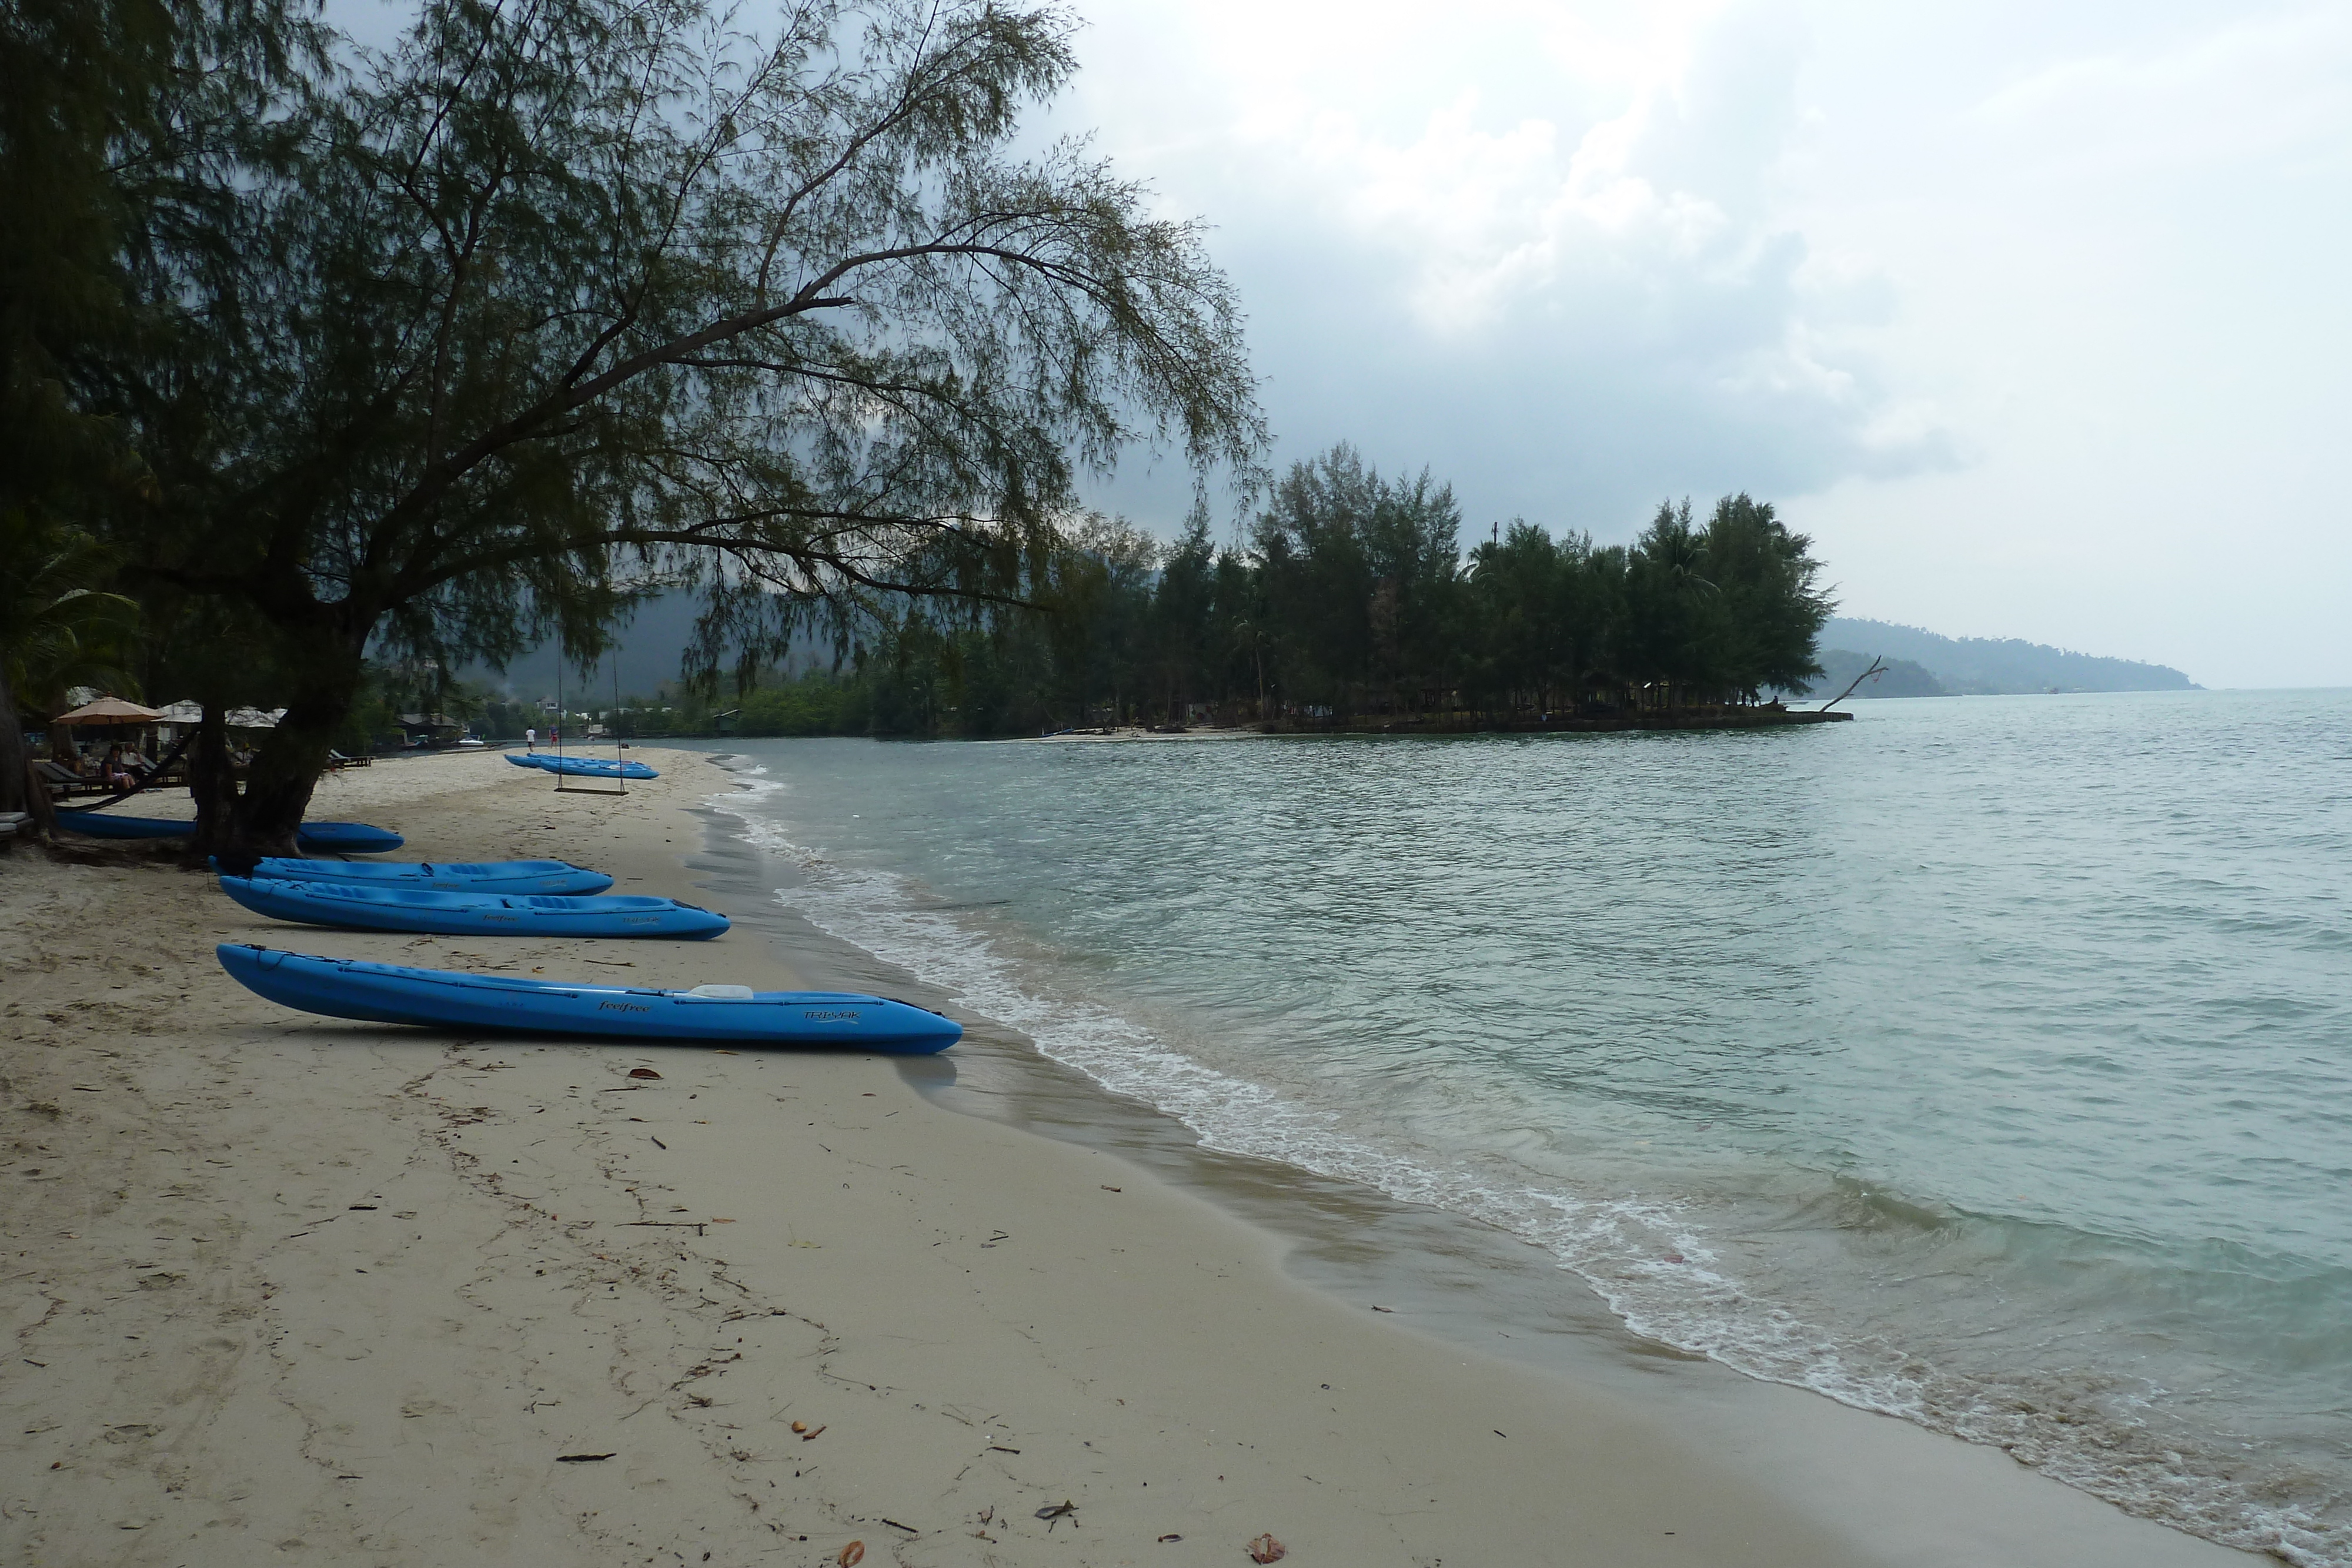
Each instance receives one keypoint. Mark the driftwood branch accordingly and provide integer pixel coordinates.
(1877, 667)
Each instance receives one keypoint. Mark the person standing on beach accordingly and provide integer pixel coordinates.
(531, 740)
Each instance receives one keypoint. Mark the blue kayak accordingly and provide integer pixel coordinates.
(345, 838)
(598, 767)
(584, 766)
(397, 906)
(94, 825)
(443, 998)
(475, 876)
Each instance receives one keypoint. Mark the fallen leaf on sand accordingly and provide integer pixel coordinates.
(643, 1073)
(852, 1554)
(1171, 1538)
(1266, 1549)
(812, 1435)
(1054, 1513)
(579, 1459)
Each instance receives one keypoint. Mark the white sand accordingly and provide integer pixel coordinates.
(291, 1290)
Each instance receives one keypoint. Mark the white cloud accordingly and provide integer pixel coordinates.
(1552, 261)
(2032, 314)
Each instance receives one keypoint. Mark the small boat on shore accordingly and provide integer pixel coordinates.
(460, 876)
(399, 906)
(447, 998)
(338, 837)
(347, 838)
(583, 767)
(98, 825)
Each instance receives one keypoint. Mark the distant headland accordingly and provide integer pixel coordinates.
(1922, 664)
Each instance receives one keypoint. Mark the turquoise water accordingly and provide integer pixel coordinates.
(1987, 1061)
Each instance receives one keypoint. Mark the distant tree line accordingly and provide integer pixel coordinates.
(1350, 599)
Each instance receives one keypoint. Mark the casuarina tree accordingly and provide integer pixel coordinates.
(462, 341)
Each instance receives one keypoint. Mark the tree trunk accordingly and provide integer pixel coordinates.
(19, 789)
(262, 818)
(14, 788)
(212, 783)
(287, 768)
(37, 802)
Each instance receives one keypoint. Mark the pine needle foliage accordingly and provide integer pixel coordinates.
(469, 340)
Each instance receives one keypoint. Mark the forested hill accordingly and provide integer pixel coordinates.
(1985, 665)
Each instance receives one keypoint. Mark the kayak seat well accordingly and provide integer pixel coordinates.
(424, 897)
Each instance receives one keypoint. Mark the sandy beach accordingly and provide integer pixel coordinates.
(290, 1289)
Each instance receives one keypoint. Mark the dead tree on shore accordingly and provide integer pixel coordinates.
(1877, 667)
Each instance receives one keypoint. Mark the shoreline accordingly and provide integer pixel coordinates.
(1882, 1481)
(367, 1266)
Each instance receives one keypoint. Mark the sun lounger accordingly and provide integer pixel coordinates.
(63, 783)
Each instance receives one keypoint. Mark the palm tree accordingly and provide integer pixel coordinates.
(59, 627)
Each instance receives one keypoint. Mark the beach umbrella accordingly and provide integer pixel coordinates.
(109, 710)
(190, 713)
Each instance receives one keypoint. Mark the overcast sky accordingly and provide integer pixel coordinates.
(2035, 317)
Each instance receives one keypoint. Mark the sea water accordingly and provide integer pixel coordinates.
(1986, 1062)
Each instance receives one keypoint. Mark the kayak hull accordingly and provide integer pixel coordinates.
(443, 999)
(94, 825)
(345, 838)
(476, 876)
(401, 907)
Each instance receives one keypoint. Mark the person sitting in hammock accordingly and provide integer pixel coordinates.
(117, 772)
